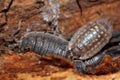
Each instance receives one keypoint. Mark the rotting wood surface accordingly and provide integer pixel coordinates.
(27, 66)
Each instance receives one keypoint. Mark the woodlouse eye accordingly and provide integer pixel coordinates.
(27, 48)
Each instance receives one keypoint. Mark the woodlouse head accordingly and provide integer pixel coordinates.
(27, 42)
(106, 23)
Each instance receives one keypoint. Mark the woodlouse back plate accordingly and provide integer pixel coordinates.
(91, 38)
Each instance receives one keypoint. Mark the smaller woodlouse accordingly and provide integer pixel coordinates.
(81, 49)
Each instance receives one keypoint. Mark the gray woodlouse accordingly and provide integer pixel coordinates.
(84, 44)
(43, 43)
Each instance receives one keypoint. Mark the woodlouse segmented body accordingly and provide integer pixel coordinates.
(91, 38)
(43, 43)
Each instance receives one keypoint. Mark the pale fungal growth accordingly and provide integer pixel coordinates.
(50, 12)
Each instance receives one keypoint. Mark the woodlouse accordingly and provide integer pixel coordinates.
(43, 43)
(91, 38)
